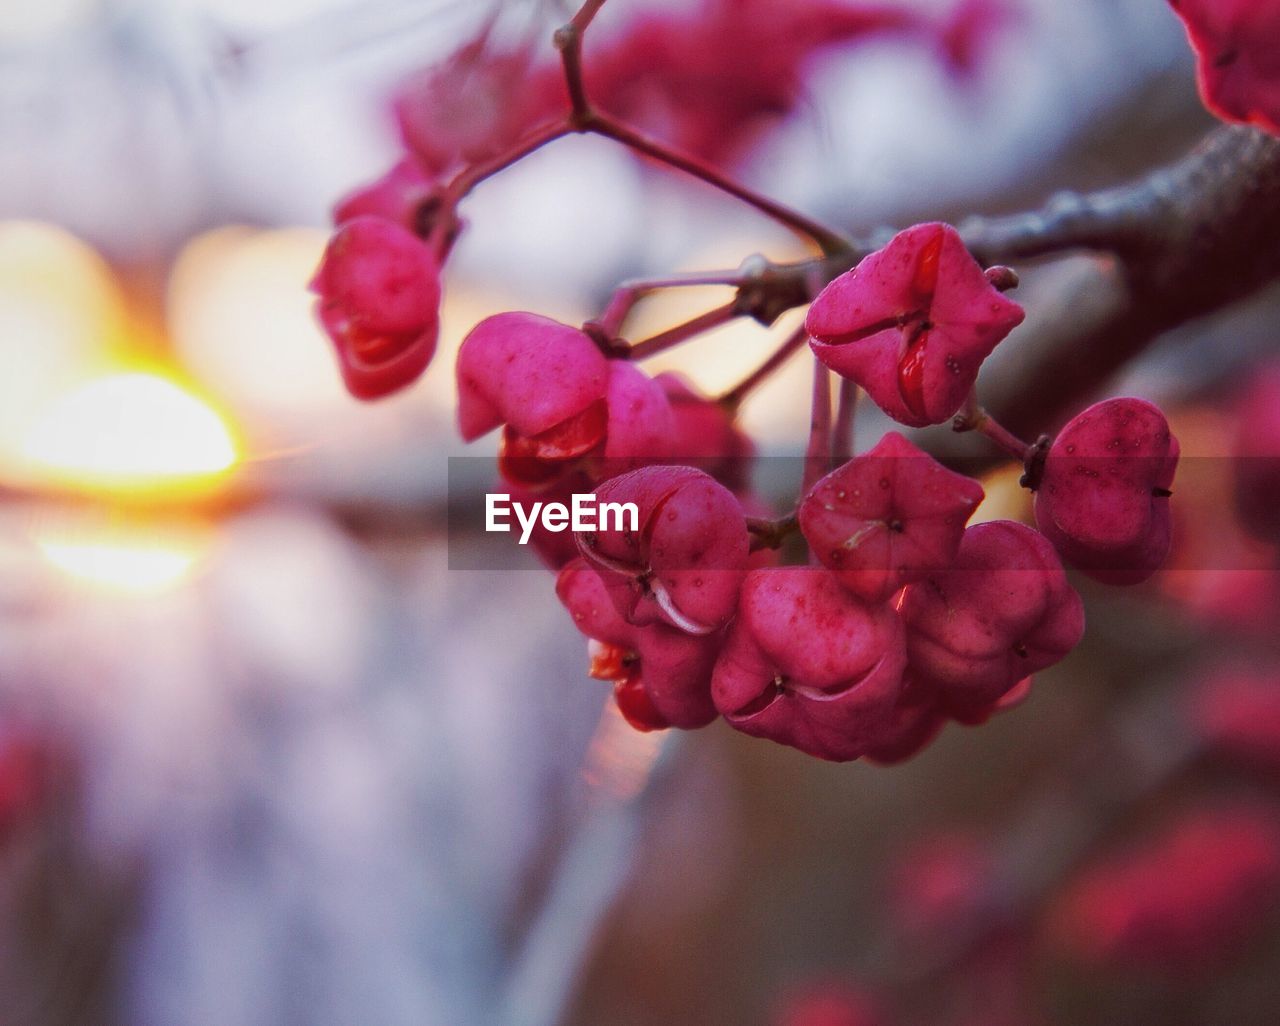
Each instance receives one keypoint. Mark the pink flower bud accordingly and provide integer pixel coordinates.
(661, 677)
(887, 518)
(1180, 901)
(532, 373)
(1257, 452)
(399, 196)
(706, 434)
(808, 665)
(1002, 612)
(684, 565)
(1103, 499)
(1235, 45)
(912, 324)
(379, 289)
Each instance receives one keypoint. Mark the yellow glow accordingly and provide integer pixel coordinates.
(139, 569)
(131, 432)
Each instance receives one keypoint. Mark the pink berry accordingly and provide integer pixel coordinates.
(535, 374)
(912, 324)
(684, 564)
(1238, 60)
(1103, 499)
(1002, 612)
(379, 297)
(706, 435)
(632, 426)
(828, 1003)
(942, 885)
(914, 724)
(469, 107)
(641, 426)
(1237, 713)
(400, 195)
(553, 548)
(808, 665)
(887, 518)
(1180, 901)
(1257, 454)
(661, 677)
(29, 764)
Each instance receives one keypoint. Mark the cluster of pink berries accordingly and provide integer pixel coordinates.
(906, 617)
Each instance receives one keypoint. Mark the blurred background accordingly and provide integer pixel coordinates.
(265, 758)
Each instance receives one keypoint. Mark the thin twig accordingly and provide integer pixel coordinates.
(817, 457)
(842, 441)
(682, 332)
(827, 239)
(790, 345)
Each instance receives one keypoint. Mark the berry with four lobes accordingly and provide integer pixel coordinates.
(1003, 611)
(400, 195)
(914, 724)
(808, 665)
(379, 298)
(661, 676)
(706, 435)
(1180, 901)
(1103, 499)
(553, 548)
(1238, 57)
(684, 565)
(887, 518)
(632, 427)
(543, 378)
(912, 324)
(1257, 455)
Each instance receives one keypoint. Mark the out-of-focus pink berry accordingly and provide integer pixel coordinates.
(535, 374)
(912, 324)
(1103, 499)
(941, 885)
(808, 665)
(1182, 901)
(470, 107)
(1237, 57)
(1257, 454)
(828, 1003)
(1002, 612)
(706, 434)
(887, 518)
(399, 196)
(28, 764)
(379, 298)
(1237, 713)
(684, 565)
(661, 676)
